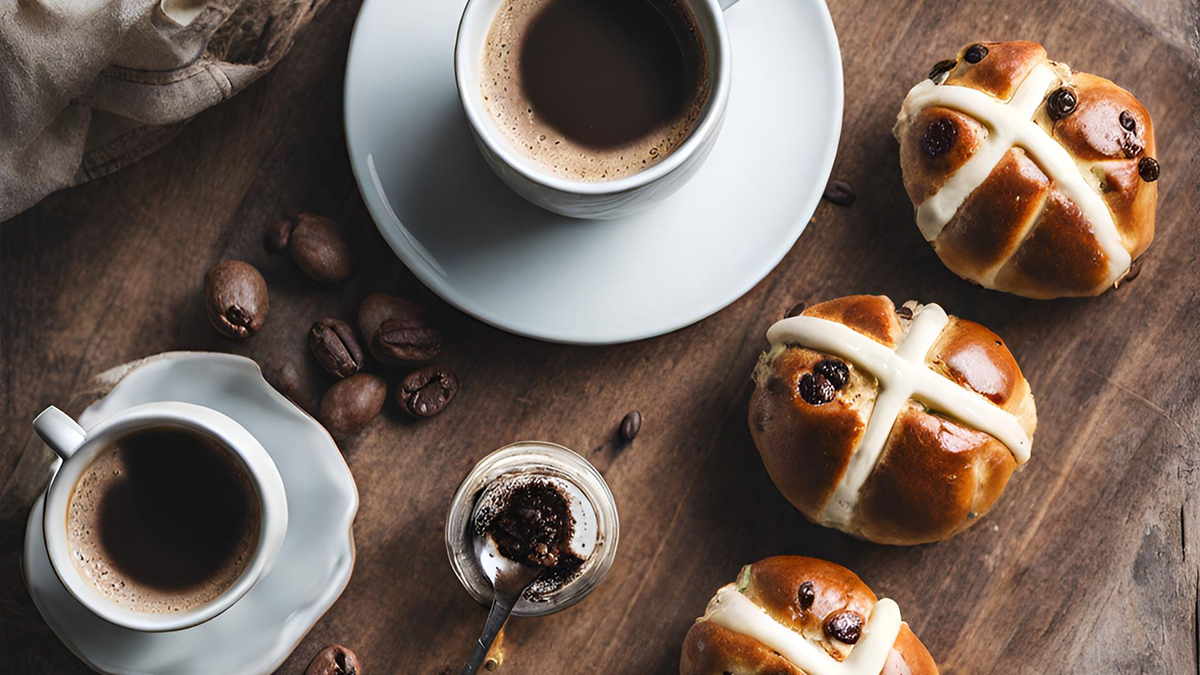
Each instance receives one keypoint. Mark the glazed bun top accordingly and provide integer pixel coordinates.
(1029, 177)
(819, 617)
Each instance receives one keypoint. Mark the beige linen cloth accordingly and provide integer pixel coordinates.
(90, 86)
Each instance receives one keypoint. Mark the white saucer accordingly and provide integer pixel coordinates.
(493, 255)
(260, 631)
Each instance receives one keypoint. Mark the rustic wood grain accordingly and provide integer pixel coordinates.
(1088, 564)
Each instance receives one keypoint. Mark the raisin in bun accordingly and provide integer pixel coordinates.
(1028, 177)
(790, 615)
(901, 426)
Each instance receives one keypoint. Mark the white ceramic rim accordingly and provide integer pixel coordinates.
(720, 67)
(408, 250)
(147, 415)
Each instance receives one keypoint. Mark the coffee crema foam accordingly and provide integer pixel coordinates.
(507, 98)
(111, 527)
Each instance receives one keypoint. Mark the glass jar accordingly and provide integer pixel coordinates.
(531, 459)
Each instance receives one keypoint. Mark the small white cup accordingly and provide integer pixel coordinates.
(78, 448)
(602, 200)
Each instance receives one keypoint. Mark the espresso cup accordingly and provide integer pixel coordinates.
(78, 448)
(604, 199)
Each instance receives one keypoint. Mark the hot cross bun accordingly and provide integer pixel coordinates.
(790, 615)
(1028, 177)
(901, 426)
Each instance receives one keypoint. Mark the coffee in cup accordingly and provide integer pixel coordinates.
(163, 520)
(595, 90)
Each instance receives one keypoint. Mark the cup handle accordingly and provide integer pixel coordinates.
(726, 4)
(59, 431)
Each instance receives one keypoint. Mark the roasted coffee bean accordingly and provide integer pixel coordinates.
(941, 68)
(1148, 169)
(350, 404)
(319, 247)
(807, 595)
(426, 392)
(815, 389)
(975, 53)
(833, 370)
(1127, 121)
(844, 626)
(796, 310)
(334, 660)
(235, 295)
(1061, 102)
(939, 137)
(333, 343)
(379, 307)
(631, 425)
(904, 312)
(839, 192)
(277, 235)
(401, 341)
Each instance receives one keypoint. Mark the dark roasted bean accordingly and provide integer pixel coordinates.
(235, 296)
(631, 425)
(426, 392)
(351, 403)
(839, 192)
(337, 350)
(333, 660)
(319, 247)
(405, 341)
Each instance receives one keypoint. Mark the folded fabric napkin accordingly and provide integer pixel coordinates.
(90, 86)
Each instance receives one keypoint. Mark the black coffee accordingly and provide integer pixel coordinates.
(595, 89)
(163, 520)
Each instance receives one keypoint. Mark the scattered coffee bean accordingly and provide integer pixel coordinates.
(833, 370)
(379, 307)
(941, 68)
(904, 312)
(405, 341)
(939, 137)
(815, 389)
(319, 247)
(426, 392)
(807, 595)
(844, 626)
(277, 235)
(796, 310)
(333, 343)
(235, 295)
(1127, 121)
(1148, 169)
(630, 426)
(975, 53)
(334, 660)
(350, 404)
(839, 192)
(1061, 102)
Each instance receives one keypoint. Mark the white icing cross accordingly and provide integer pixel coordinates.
(1011, 125)
(732, 610)
(902, 374)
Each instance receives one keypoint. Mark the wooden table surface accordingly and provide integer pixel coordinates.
(1088, 564)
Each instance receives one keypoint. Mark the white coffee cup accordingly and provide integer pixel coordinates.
(78, 448)
(595, 200)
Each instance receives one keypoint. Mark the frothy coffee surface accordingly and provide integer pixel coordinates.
(595, 90)
(164, 520)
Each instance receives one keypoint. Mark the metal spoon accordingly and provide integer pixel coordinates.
(509, 580)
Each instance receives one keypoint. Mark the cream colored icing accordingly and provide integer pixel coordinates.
(902, 374)
(732, 610)
(1011, 124)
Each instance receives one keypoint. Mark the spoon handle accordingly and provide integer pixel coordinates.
(501, 607)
